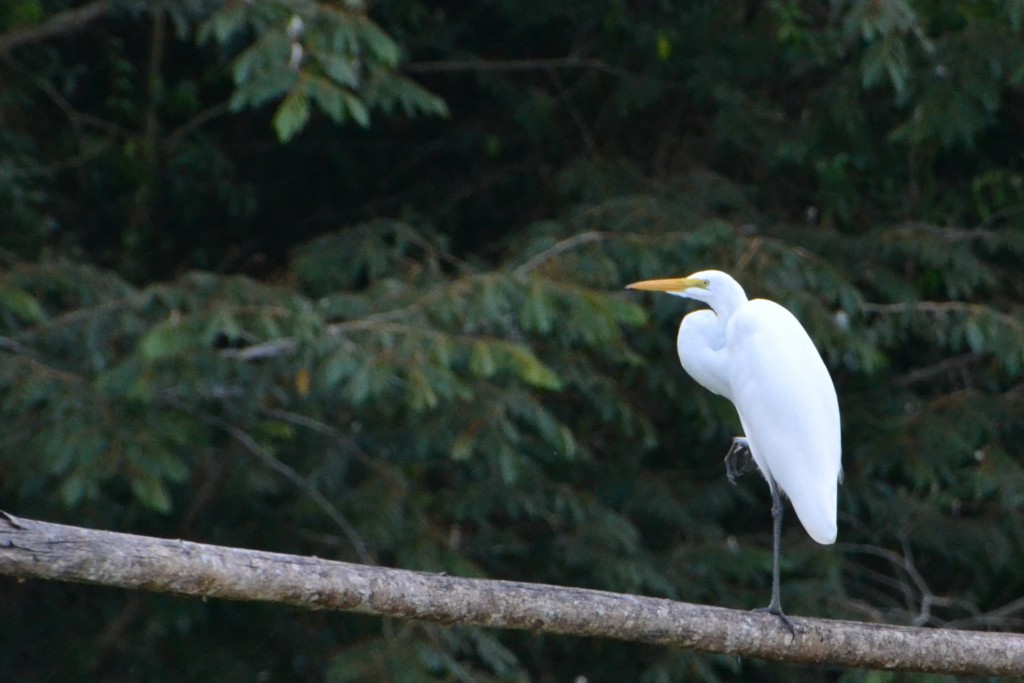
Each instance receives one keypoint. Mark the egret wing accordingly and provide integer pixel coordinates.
(788, 406)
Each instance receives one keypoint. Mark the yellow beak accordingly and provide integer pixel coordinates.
(675, 284)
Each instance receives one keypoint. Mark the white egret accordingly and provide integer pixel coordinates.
(756, 354)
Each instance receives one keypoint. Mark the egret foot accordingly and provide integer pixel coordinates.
(739, 460)
(777, 611)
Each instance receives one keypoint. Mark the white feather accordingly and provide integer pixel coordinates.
(758, 355)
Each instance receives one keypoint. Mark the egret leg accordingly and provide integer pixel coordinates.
(739, 460)
(775, 606)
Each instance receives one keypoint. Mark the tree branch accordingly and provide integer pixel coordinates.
(31, 549)
(67, 21)
(196, 122)
(569, 62)
(946, 366)
(289, 473)
(556, 249)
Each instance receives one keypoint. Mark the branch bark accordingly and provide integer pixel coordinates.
(32, 549)
(67, 21)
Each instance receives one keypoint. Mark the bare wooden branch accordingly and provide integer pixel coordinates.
(31, 549)
(68, 21)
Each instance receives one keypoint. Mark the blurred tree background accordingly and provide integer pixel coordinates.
(345, 279)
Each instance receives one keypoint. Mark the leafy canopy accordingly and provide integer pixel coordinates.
(401, 337)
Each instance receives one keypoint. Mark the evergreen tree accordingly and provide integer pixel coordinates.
(313, 278)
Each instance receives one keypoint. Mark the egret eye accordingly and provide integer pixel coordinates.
(707, 283)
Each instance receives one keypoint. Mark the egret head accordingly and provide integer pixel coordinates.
(713, 287)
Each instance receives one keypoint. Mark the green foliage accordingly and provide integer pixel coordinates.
(407, 341)
(329, 54)
(20, 13)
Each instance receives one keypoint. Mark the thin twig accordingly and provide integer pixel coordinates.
(267, 349)
(574, 113)
(943, 367)
(919, 595)
(194, 123)
(77, 120)
(324, 429)
(917, 230)
(18, 349)
(289, 473)
(1000, 617)
(110, 638)
(61, 23)
(277, 347)
(568, 62)
(558, 248)
(921, 307)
